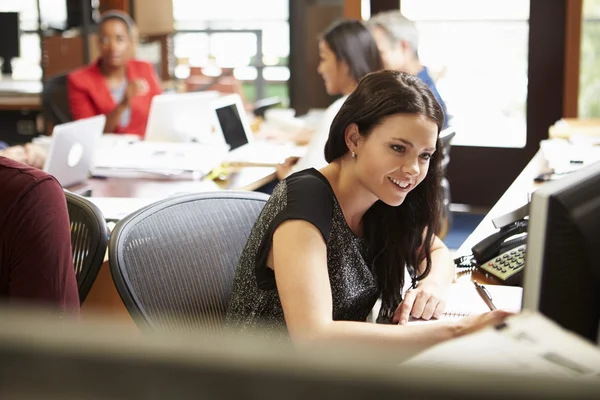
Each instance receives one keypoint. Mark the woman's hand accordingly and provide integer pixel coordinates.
(137, 87)
(36, 155)
(283, 170)
(16, 153)
(426, 301)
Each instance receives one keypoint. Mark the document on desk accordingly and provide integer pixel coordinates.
(462, 300)
(528, 343)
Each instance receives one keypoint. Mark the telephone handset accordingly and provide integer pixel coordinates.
(502, 257)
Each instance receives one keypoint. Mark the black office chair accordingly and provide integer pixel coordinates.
(89, 240)
(55, 100)
(446, 137)
(173, 262)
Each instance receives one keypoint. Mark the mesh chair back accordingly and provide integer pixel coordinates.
(173, 262)
(55, 100)
(89, 240)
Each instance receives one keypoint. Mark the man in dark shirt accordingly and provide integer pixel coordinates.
(397, 39)
(36, 265)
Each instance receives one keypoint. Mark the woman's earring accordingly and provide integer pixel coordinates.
(353, 155)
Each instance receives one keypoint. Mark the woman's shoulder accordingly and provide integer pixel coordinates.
(84, 74)
(139, 66)
(308, 196)
(309, 183)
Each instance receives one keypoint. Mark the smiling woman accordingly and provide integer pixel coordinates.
(329, 242)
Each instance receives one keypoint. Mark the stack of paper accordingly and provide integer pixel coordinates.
(527, 343)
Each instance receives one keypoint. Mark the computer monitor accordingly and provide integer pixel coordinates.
(9, 45)
(181, 117)
(562, 270)
(44, 358)
(232, 122)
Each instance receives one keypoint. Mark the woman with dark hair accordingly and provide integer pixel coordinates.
(115, 84)
(329, 242)
(347, 52)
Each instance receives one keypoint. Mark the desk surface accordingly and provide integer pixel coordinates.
(248, 178)
(20, 94)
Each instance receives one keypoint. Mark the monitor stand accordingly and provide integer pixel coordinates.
(7, 67)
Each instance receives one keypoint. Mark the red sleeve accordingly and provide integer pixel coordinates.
(154, 81)
(79, 102)
(41, 262)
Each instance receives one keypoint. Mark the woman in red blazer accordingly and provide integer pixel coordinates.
(115, 85)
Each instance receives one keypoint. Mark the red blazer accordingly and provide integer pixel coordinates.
(89, 95)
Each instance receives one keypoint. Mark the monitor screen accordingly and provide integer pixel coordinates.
(9, 32)
(232, 126)
(562, 271)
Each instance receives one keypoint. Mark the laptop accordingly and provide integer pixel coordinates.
(231, 123)
(71, 153)
(180, 117)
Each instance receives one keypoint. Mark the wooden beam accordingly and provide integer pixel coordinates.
(352, 9)
(573, 22)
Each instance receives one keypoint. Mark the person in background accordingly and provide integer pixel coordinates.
(115, 85)
(36, 265)
(398, 42)
(347, 52)
(330, 242)
(30, 154)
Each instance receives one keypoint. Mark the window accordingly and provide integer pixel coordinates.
(244, 29)
(54, 14)
(589, 75)
(477, 52)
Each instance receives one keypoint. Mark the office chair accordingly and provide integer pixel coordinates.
(173, 262)
(446, 137)
(89, 240)
(55, 100)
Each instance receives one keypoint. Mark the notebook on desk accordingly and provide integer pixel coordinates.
(463, 300)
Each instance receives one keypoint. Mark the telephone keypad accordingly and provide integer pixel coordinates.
(507, 264)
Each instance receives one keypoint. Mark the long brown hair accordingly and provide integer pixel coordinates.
(352, 43)
(396, 237)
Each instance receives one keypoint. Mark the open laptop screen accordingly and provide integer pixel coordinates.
(232, 127)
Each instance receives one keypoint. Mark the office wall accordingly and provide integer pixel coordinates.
(308, 18)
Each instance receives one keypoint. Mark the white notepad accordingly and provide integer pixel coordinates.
(462, 300)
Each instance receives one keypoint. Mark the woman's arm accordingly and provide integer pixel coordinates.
(300, 264)
(136, 87)
(426, 301)
(80, 103)
(113, 118)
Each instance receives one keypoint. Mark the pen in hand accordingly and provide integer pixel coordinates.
(485, 295)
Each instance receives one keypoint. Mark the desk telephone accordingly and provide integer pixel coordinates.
(502, 254)
(502, 257)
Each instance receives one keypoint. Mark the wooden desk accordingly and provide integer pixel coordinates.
(20, 110)
(20, 94)
(249, 178)
(17, 103)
